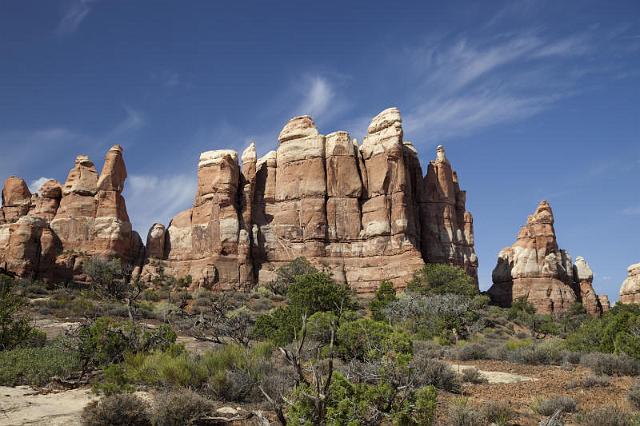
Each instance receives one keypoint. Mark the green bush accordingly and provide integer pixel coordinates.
(610, 333)
(229, 373)
(286, 275)
(117, 410)
(15, 326)
(180, 407)
(366, 339)
(384, 295)
(356, 404)
(310, 293)
(38, 365)
(105, 341)
(436, 278)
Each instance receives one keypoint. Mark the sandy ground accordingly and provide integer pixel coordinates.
(23, 405)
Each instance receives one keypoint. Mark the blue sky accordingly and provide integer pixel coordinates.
(532, 99)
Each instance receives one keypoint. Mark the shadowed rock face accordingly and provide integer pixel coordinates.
(365, 213)
(534, 268)
(64, 224)
(630, 290)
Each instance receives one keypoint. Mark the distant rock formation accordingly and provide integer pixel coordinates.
(536, 269)
(366, 213)
(630, 290)
(48, 235)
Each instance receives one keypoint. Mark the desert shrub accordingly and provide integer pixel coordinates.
(180, 407)
(617, 331)
(117, 410)
(15, 326)
(105, 341)
(229, 373)
(38, 365)
(548, 407)
(425, 405)
(460, 413)
(319, 326)
(497, 413)
(286, 275)
(108, 277)
(429, 371)
(606, 416)
(611, 365)
(634, 395)
(384, 295)
(351, 403)
(471, 351)
(590, 382)
(366, 339)
(430, 349)
(436, 278)
(446, 316)
(473, 375)
(308, 294)
(547, 353)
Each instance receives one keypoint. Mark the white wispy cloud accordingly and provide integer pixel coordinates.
(132, 121)
(153, 198)
(34, 185)
(465, 84)
(318, 97)
(76, 12)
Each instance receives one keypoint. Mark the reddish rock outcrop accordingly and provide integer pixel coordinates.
(49, 234)
(361, 212)
(534, 268)
(630, 290)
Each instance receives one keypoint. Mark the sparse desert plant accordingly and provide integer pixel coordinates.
(428, 371)
(547, 407)
(472, 351)
(117, 410)
(37, 365)
(611, 365)
(591, 381)
(180, 407)
(606, 416)
(473, 375)
(385, 294)
(497, 413)
(462, 414)
(634, 395)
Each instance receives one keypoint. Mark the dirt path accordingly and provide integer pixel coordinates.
(22, 405)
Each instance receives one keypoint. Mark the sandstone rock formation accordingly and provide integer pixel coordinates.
(630, 290)
(536, 269)
(49, 234)
(365, 213)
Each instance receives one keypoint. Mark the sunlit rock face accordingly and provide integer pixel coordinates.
(362, 212)
(630, 290)
(534, 268)
(55, 230)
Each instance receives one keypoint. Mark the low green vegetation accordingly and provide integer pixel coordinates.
(305, 348)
